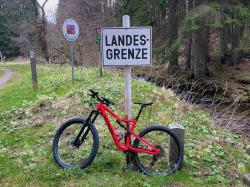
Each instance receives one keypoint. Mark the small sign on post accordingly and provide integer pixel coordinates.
(33, 69)
(71, 33)
(70, 30)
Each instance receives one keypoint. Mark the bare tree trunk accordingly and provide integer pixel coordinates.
(223, 33)
(223, 39)
(200, 50)
(189, 45)
(1, 57)
(41, 30)
(34, 6)
(173, 35)
(237, 32)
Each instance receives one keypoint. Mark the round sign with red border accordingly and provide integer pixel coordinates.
(70, 30)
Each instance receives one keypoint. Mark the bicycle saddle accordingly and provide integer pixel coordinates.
(144, 104)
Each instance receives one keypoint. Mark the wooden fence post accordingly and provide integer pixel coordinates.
(33, 69)
(98, 42)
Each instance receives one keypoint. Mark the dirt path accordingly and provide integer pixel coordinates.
(8, 73)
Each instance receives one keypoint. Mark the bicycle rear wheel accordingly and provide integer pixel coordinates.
(159, 164)
(66, 153)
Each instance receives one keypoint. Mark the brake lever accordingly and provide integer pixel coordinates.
(91, 90)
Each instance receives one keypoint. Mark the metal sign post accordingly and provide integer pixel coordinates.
(72, 61)
(71, 33)
(126, 47)
(127, 77)
(128, 90)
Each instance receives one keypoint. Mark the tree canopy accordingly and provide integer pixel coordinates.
(8, 45)
(16, 26)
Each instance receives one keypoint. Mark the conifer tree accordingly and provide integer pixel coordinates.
(8, 46)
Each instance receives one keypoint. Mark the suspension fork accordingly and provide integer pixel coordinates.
(93, 112)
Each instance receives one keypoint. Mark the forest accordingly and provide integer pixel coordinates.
(187, 34)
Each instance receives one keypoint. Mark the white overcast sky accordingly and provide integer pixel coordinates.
(50, 9)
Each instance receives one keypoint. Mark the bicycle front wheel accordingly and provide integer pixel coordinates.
(160, 164)
(69, 153)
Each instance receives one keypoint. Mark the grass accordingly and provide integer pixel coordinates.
(1, 73)
(29, 119)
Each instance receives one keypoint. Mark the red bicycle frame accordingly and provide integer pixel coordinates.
(131, 125)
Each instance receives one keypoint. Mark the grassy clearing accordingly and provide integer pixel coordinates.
(29, 119)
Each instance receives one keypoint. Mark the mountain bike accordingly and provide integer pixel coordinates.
(76, 142)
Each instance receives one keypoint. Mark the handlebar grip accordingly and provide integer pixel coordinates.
(94, 93)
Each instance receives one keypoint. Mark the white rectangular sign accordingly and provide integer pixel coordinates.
(127, 46)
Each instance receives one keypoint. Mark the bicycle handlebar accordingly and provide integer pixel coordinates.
(103, 100)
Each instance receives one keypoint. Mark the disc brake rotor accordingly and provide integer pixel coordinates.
(159, 155)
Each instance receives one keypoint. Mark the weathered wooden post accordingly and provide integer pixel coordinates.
(179, 130)
(33, 69)
(98, 42)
